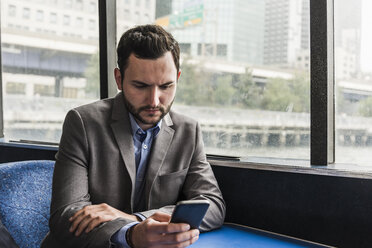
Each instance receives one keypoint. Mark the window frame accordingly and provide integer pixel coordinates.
(1, 92)
(322, 104)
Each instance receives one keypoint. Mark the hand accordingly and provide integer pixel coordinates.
(156, 231)
(91, 216)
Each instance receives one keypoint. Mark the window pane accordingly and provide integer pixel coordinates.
(353, 71)
(245, 71)
(50, 65)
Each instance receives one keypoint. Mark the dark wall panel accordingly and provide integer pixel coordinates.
(11, 153)
(326, 209)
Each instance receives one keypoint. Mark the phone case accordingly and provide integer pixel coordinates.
(190, 212)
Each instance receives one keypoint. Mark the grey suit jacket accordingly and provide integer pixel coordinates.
(95, 164)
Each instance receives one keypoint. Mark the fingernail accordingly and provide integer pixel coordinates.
(186, 227)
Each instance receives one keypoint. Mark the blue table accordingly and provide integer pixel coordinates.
(236, 236)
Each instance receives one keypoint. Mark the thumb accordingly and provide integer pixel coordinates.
(161, 217)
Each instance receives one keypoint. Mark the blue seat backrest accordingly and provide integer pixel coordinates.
(25, 195)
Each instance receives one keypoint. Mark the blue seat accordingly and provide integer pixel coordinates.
(25, 195)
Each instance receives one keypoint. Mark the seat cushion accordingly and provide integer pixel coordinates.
(25, 195)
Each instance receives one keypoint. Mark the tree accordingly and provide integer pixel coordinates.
(248, 93)
(287, 95)
(223, 91)
(92, 76)
(190, 88)
(365, 107)
(277, 95)
(203, 88)
(300, 86)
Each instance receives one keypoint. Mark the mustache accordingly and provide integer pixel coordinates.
(160, 108)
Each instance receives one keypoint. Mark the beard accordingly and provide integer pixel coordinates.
(136, 112)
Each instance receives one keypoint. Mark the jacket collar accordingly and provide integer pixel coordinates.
(122, 130)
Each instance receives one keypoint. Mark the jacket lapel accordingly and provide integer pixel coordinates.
(159, 149)
(122, 131)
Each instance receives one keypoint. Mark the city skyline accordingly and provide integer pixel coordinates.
(366, 37)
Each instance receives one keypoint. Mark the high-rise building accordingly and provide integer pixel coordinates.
(232, 30)
(347, 38)
(286, 39)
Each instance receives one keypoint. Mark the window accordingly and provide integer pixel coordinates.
(353, 73)
(92, 24)
(68, 4)
(26, 13)
(248, 86)
(40, 15)
(249, 100)
(44, 76)
(137, 17)
(127, 13)
(12, 11)
(79, 4)
(15, 88)
(79, 22)
(44, 90)
(92, 7)
(53, 18)
(66, 20)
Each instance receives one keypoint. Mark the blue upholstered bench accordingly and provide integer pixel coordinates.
(25, 194)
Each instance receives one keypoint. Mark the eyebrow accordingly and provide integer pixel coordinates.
(143, 83)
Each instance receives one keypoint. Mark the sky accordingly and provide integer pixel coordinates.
(366, 36)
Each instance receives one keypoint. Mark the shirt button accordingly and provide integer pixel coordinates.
(144, 146)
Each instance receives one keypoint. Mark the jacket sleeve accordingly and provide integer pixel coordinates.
(200, 183)
(70, 190)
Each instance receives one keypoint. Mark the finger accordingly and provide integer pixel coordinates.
(82, 211)
(161, 217)
(184, 243)
(165, 227)
(75, 222)
(83, 224)
(97, 221)
(178, 238)
(72, 218)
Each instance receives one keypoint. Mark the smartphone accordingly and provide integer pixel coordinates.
(191, 212)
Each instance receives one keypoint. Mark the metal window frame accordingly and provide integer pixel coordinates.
(107, 47)
(322, 114)
(1, 91)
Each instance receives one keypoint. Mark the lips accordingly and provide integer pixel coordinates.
(152, 111)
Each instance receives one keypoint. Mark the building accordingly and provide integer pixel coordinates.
(229, 30)
(287, 36)
(54, 42)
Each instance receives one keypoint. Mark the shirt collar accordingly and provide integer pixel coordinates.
(136, 127)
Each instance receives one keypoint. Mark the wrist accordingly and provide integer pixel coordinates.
(128, 236)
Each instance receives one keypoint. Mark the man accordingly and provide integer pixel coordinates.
(124, 162)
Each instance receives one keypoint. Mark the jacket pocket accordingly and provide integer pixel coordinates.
(171, 185)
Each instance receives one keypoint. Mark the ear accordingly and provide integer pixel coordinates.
(118, 80)
(178, 75)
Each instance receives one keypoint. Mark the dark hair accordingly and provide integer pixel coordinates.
(146, 42)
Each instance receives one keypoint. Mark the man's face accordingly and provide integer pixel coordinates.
(149, 88)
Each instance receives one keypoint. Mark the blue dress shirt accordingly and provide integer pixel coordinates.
(142, 141)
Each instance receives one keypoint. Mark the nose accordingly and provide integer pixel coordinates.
(154, 97)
